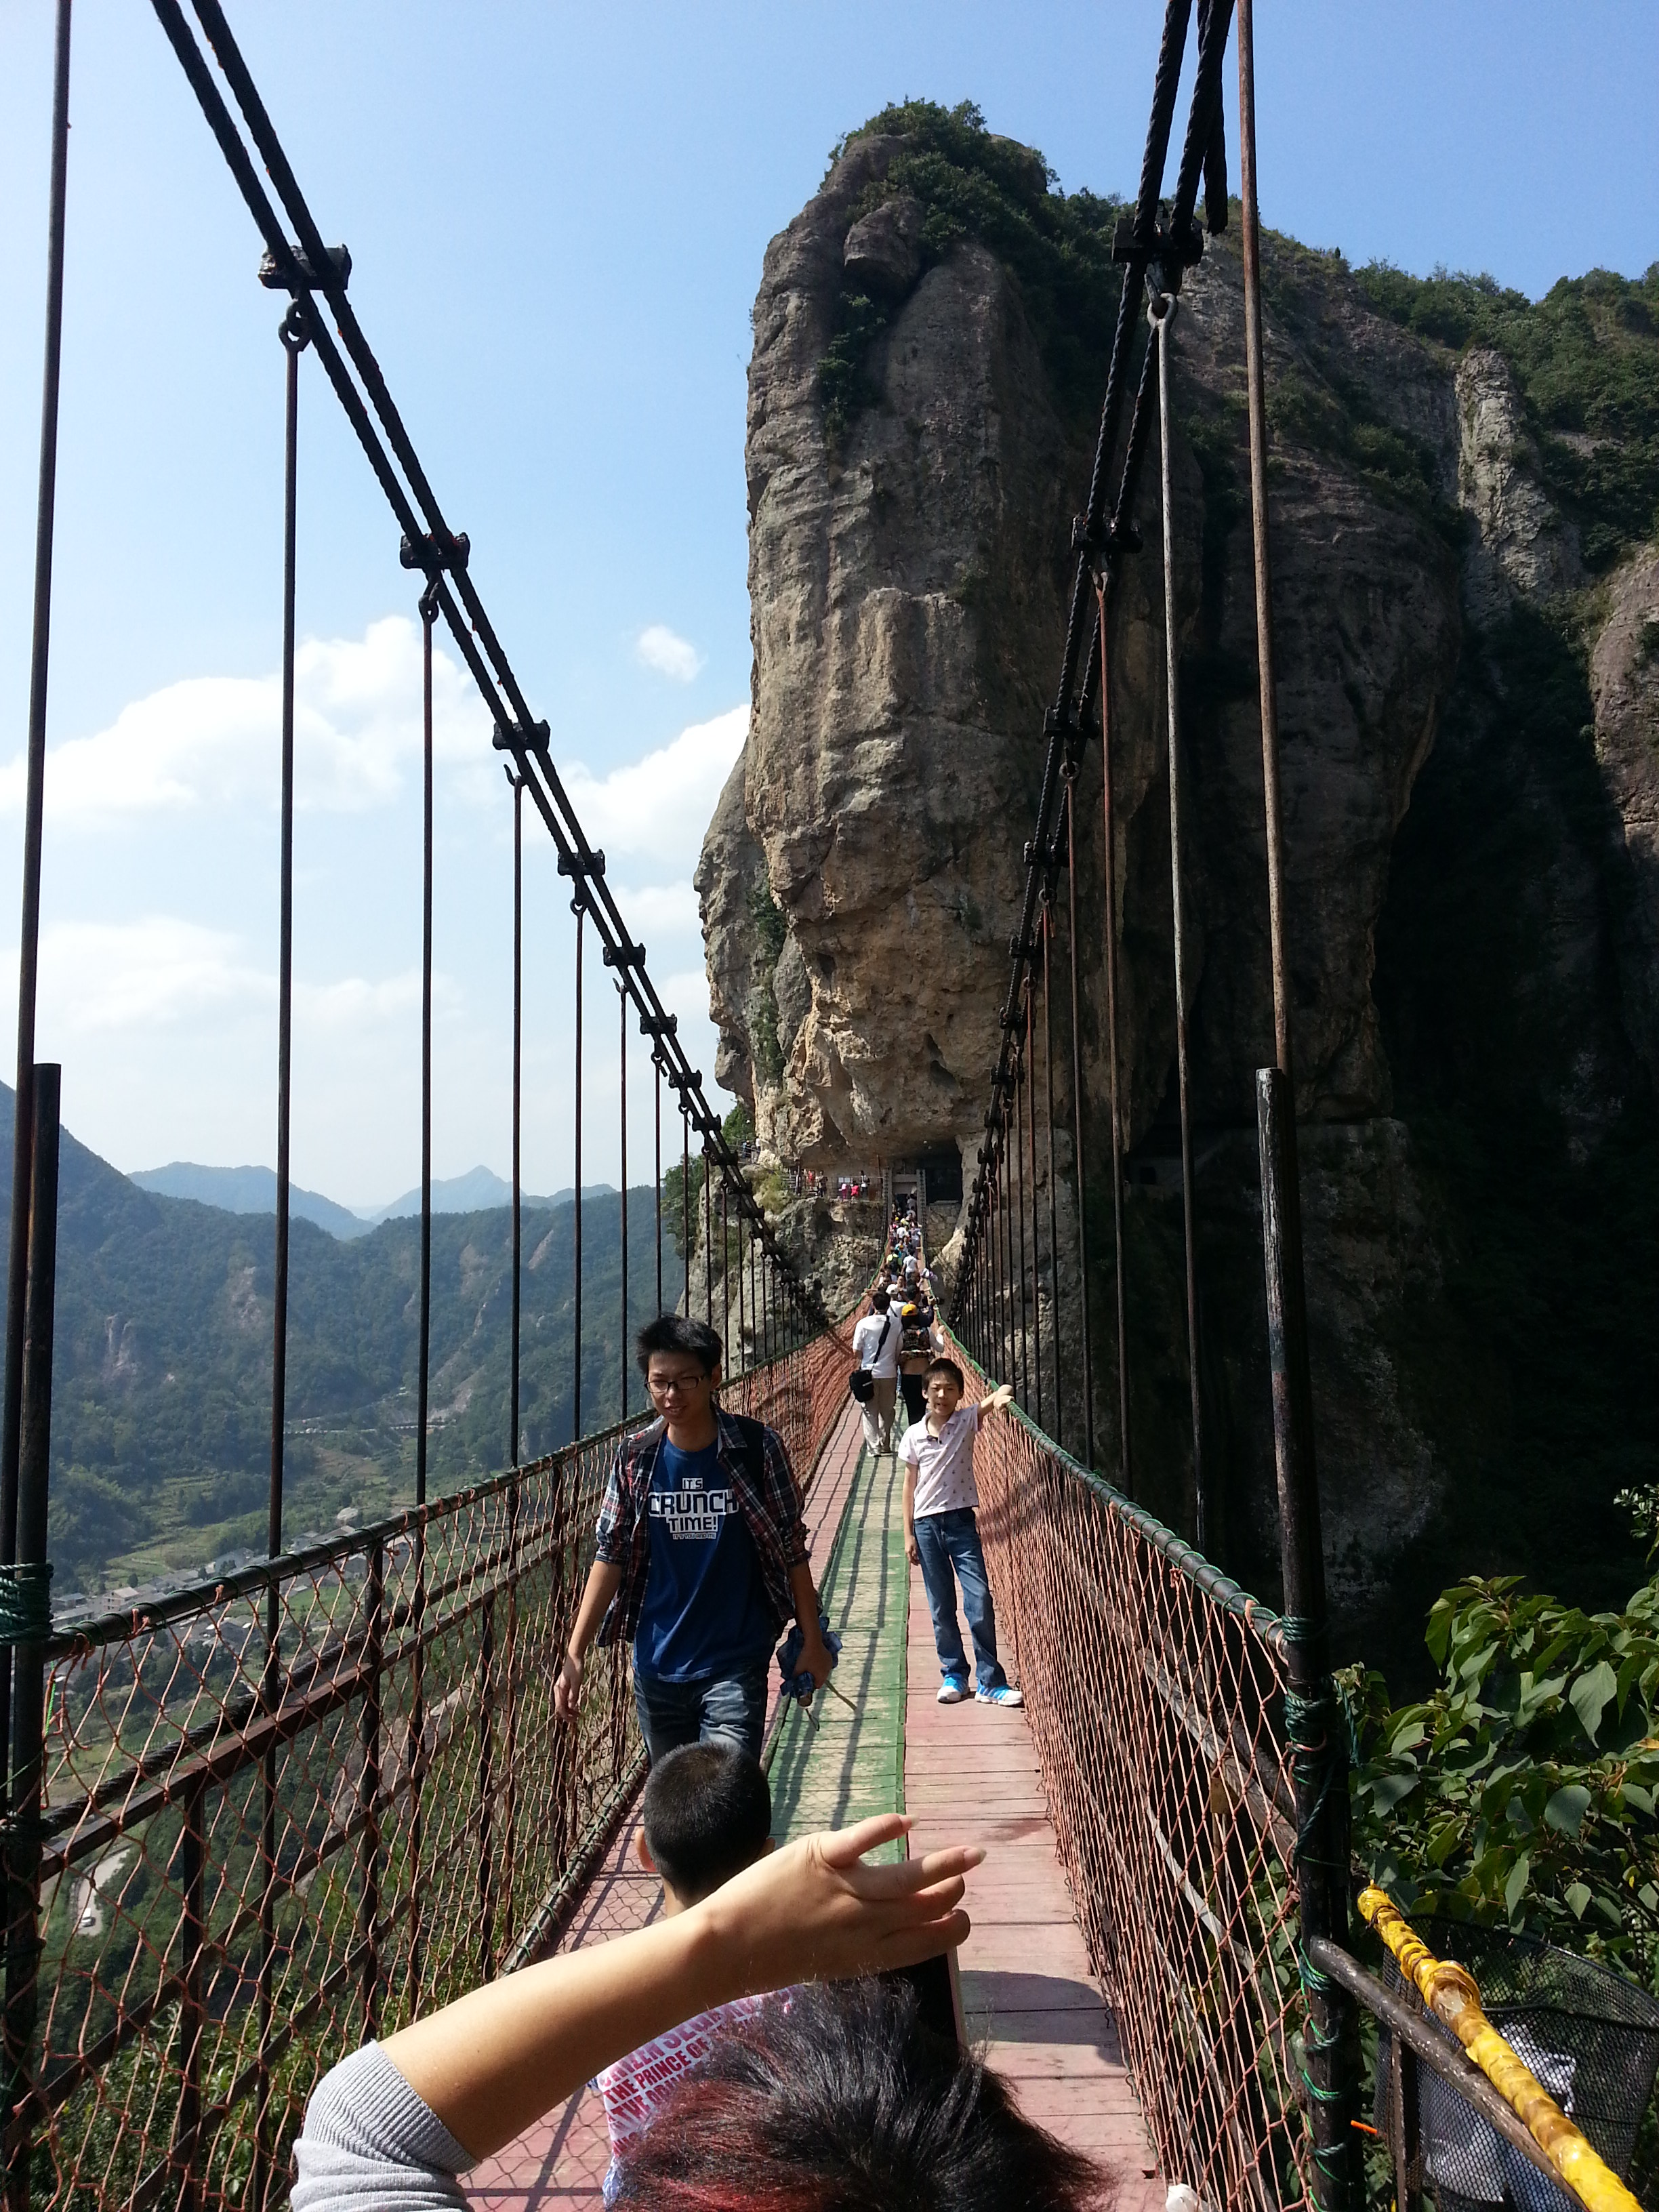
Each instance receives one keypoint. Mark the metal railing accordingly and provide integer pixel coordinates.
(1155, 1688)
(286, 1812)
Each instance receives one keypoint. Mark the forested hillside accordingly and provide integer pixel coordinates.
(161, 1408)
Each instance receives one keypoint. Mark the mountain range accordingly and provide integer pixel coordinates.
(253, 1190)
(161, 1374)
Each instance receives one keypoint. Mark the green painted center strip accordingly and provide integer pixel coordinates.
(853, 1765)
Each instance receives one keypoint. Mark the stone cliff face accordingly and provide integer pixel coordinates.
(909, 565)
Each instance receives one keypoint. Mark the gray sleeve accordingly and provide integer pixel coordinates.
(369, 2141)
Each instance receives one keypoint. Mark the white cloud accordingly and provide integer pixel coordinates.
(660, 648)
(660, 805)
(149, 974)
(213, 741)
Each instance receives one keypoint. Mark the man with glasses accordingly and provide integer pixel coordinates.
(701, 1559)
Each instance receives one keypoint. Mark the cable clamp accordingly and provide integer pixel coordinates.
(660, 1025)
(1060, 721)
(434, 554)
(1163, 249)
(514, 737)
(301, 276)
(624, 955)
(582, 865)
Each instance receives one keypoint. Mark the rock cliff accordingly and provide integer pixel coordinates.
(1470, 735)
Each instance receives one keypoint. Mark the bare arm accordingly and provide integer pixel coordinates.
(495, 2061)
(1002, 1396)
(910, 1550)
(603, 1582)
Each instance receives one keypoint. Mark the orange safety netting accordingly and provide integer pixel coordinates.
(1154, 1690)
(285, 1813)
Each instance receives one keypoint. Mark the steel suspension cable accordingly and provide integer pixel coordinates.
(514, 1454)
(707, 1239)
(1161, 312)
(686, 1199)
(311, 270)
(578, 908)
(293, 335)
(425, 611)
(1037, 1252)
(621, 1125)
(1078, 1175)
(1017, 1199)
(1125, 1462)
(656, 1071)
(1048, 917)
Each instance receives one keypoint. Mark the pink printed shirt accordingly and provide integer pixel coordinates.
(634, 2086)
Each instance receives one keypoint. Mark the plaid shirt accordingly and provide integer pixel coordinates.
(770, 1510)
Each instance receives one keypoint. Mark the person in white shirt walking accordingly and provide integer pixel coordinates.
(876, 1347)
(941, 1534)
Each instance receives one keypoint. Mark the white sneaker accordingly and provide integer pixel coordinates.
(1006, 1694)
(952, 1690)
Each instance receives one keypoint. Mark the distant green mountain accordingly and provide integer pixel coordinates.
(249, 1190)
(161, 1403)
(253, 1190)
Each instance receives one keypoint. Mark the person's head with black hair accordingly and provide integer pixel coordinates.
(948, 1372)
(681, 1336)
(880, 1300)
(840, 2101)
(707, 1814)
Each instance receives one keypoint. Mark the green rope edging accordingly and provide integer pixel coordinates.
(26, 1601)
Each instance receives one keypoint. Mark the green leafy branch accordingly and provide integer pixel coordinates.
(1522, 1791)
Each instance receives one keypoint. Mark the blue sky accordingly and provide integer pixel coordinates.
(557, 216)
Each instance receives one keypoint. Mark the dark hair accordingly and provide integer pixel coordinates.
(840, 2101)
(679, 1333)
(881, 1299)
(942, 1367)
(707, 1811)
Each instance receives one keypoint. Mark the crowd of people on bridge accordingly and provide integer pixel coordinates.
(744, 2055)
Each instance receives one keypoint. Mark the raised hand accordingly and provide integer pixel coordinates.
(815, 1912)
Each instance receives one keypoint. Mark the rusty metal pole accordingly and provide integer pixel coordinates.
(1317, 1741)
(28, 960)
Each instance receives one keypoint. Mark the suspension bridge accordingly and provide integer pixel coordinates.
(332, 1782)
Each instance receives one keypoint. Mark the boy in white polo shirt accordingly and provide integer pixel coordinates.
(941, 1533)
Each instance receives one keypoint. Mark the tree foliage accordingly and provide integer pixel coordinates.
(974, 183)
(1586, 357)
(1522, 1791)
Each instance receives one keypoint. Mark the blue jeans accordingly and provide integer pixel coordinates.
(729, 1707)
(948, 1540)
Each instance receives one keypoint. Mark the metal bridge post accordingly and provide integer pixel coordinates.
(1311, 1725)
(28, 960)
(30, 1608)
(1316, 1742)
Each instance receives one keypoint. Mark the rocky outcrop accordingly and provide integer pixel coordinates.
(1522, 547)
(908, 570)
(1624, 679)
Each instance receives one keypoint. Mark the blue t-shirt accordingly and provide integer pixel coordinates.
(705, 1610)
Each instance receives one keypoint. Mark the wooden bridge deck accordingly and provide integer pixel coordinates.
(969, 1773)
